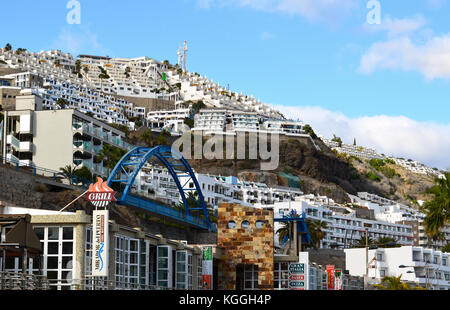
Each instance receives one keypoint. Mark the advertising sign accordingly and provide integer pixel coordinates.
(338, 279)
(207, 267)
(100, 194)
(331, 277)
(100, 243)
(297, 276)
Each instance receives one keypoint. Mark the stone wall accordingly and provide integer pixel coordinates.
(245, 246)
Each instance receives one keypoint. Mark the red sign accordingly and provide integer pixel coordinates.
(100, 194)
(207, 282)
(296, 277)
(331, 280)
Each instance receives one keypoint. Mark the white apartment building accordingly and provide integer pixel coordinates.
(233, 121)
(53, 139)
(288, 128)
(171, 121)
(418, 266)
(195, 87)
(353, 150)
(345, 225)
(393, 212)
(417, 167)
(137, 77)
(156, 182)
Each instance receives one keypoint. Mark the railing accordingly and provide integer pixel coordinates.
(39, 171)
(20, 281)
(99, 284)
(165, 210)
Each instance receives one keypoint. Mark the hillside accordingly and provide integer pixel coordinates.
(315, 171)
(322, 172)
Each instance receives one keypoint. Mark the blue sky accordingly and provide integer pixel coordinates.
(318, 60)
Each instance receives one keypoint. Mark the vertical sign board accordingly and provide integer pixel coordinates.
(100, 195)
(339, 283)
(100, 243)
(297, 276)
(304, 259)
(207, 267)
(331, 277)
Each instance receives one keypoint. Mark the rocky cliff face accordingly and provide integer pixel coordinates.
(321, 172)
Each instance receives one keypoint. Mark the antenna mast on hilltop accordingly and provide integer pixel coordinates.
(185, 50)
(180, 58)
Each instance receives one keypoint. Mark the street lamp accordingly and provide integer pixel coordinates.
(426, 267)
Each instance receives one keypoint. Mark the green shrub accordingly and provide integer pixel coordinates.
(372, 176)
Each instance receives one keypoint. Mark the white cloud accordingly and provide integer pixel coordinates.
(432, 58)
(399, 136)
(409, 47)
(310, 9)
(78, 39)
(395, 26)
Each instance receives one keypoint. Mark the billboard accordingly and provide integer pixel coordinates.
(207, 267)
(100, 194)
(331, 277)
(297, 276)
(338, 279)
(100, 243)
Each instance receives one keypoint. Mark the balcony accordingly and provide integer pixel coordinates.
(19, 146)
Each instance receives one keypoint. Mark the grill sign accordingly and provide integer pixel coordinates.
(100, 194)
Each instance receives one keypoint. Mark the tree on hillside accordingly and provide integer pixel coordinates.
(395, 284)
(8, 47)
(386, 242)
(284, 232)
(437, 210)
(62, 103)
(111, 155)
(446, 248)
(361, 243)
(308, 129)
(338, 140)
(84, 173)
(315, 229)
(69, 172)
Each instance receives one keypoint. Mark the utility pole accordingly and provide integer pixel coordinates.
(367, 260)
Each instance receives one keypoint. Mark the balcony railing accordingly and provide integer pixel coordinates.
(20, 281)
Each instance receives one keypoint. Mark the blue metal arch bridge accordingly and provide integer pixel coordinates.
(127, 169)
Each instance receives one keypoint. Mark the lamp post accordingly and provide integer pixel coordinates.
(426, 267)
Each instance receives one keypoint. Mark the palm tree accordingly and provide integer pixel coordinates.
(284, 231)
(437, 210)
(395, 284)
(386, 242)
(315, 229)
(361, 243)
(68, 172)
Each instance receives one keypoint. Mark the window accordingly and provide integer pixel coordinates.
(379, 257)
(164, 261)
(231, 224)
(58, 249)
(259, 224)
(281, 276)
(183, 270)
(127, 262)
(245, 224)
